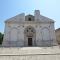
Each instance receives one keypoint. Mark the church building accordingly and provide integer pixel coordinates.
(29, 31)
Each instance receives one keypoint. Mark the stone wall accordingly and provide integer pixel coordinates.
(58, 35)
(14, 34)
(30, 53)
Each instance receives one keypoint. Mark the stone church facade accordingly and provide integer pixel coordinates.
(29, 30)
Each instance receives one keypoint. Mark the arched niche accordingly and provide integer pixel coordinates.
(45, 34)
(13, 34)
(29, 18)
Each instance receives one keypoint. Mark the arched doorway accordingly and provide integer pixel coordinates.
(29, 36)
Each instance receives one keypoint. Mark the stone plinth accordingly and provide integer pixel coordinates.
(30, 53)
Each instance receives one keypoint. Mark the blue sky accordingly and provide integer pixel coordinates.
(48, 8)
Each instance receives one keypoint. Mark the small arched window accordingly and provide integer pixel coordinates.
(29, 19)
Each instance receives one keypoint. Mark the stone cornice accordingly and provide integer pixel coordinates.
(28, 22)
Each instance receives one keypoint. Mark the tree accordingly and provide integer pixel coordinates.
(1, 37)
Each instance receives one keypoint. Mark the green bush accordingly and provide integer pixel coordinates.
(1, 37)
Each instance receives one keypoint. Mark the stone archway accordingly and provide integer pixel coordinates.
(30, 36)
